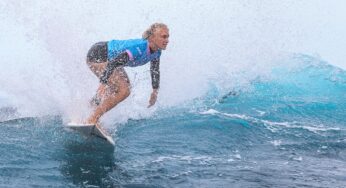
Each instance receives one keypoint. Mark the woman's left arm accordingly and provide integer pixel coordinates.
(155, 80)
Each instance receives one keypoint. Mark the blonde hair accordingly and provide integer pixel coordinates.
(150, 31)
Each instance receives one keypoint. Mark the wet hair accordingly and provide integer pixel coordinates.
(150, 31)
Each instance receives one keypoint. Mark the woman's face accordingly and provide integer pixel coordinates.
(160, 38)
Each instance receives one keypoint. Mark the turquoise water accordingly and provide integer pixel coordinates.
(286, 130)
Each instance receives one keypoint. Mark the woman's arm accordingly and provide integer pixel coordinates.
(155, 73)
(155, 80)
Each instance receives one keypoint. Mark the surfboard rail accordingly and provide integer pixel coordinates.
(91, 130)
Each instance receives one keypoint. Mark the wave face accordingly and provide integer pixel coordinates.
(251, 95)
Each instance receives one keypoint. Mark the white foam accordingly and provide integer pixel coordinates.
(276, 142)
(261, 113)
(210, 112)
(238, 116)
(300, 158)
(186, 158)
(294, 124)
(45, 66)
(272, 125)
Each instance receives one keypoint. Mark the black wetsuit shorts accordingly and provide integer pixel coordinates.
(98, 53)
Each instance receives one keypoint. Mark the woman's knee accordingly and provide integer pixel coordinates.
(124, 91)
(127, 91)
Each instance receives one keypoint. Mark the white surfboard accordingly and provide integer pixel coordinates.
(91, 130)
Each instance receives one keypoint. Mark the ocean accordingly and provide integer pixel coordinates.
(250, 99)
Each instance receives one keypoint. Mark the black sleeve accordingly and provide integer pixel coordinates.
(155, 73)
(120, 60)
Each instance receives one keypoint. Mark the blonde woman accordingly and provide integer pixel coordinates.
(108, 59)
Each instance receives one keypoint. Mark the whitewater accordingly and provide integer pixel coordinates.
(252, 94)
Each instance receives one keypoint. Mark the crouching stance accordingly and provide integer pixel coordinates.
(108, 59)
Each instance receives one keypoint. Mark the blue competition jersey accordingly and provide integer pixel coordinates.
(137, 49)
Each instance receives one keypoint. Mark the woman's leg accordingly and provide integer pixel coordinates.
(97, 69)
(117, 89)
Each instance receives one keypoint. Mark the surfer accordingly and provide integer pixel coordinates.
(108, 59)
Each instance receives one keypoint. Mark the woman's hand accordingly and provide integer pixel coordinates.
(153, 98)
